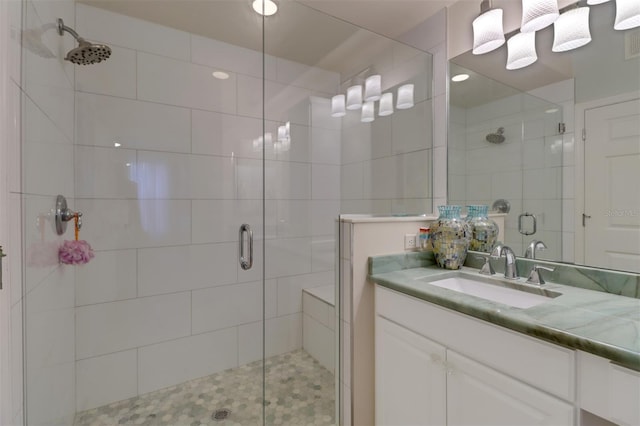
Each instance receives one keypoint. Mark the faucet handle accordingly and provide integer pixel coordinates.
(487, 268)
(535, 277)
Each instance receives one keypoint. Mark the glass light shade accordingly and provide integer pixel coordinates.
(592, 2)
(488, 33)
(627, 14)
(386, 105)
(337, 106)
(521, 50)
(405, 97)
(373, 88)
(367, 112)
(354, 97)
(538, 14)
(571, 30)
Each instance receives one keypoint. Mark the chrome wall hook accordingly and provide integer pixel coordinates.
(64, 214)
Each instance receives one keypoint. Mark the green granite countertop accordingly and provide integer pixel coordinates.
(600, 323)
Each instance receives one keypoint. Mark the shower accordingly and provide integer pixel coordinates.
(497, 137)
(86, 53)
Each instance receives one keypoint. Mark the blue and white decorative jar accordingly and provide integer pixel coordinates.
(450, 237)
(484, 231)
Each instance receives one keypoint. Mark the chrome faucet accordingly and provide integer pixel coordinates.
(510, 267)
(535, 277)
(530, 252)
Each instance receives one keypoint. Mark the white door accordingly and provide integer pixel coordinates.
(612, 186)
(410, 377)
(478, 395)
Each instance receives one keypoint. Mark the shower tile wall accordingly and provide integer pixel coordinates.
(527, 169)
(47, 107)
(165, 301)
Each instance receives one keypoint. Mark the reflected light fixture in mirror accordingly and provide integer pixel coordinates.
(386, 105)
(405, 96)
(265, 7)
(354, 97)
(337, 106)
(373, 88)
(539, 14)
(488, 31)
(571, 30)
(460, 77)
(627, 14)
(367, 112)
(521, 51)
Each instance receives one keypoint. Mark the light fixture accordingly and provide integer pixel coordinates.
(405, 96)
(220, 75)
(386, 105)
(551, 110)
(627, 14)
(373, 88)
(521, 50)
(488, 32)
(265, 7)
(592, 2)
(539, 14)
(337, 106)
(460, 77)
(282, 133)
(117, 144)
(354, 97)
(367, 112)
(571, 30)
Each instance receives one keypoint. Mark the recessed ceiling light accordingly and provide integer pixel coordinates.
(117, 144)
(270, 7)
(551, 110)
(220, 75)
(460, 77)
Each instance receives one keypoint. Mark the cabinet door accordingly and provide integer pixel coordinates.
(410, 377)
(478, 395)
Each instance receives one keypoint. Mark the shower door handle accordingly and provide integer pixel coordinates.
(245, 231)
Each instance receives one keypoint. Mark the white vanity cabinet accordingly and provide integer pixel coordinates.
(476, 373)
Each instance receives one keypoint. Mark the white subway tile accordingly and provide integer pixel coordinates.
(228, 57)
(280, 101)
(120, 224)
(39, 177)
(542, 183)
(382, 176)
(313, 78)
(219, 220)
(54, 407)
(290, 289)
(320, 114)
(352, 181)
(98, 25)
(110, 276)
(49, 339)
(224, 134)
(315, 308)
(323, 253)
(324, 214)
(103, 120)
(105, 172)
(319, 342)
(170, 363)
(286, 180)
(300, 145)
(115, 77)
(356, 139)
(505, 185)
(250, 179)
(106, 379)
(413, 174)
(294, 218)
(283, 334)
(290, 256)
(115, 326)
(179, 83)
(172, 269)
(226, 306)
(380, 137)
(250, 342)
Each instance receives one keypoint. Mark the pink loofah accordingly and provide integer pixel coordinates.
(75, 252)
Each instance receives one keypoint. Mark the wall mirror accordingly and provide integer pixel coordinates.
(518, 136)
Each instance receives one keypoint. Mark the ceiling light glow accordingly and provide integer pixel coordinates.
(265, 7)
(460, 77)
(220, 75)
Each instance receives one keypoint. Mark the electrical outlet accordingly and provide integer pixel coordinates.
(410, 241)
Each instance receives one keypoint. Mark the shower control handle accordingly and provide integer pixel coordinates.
(245, 262)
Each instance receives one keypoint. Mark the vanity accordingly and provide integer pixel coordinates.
(446, 357)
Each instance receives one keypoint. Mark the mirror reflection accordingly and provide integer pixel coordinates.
(559, 141)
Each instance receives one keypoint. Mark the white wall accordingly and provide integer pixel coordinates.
(165, 300)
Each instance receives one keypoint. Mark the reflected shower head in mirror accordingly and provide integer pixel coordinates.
(496, 137)
(86, 53)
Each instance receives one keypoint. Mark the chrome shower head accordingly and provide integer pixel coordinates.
(86, 53)
(496, 137)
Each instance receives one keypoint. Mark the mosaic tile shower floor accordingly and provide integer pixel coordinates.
(299, 392)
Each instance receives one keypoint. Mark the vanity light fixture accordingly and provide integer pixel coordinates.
(571, 30)
(460, 77)
(627, 14)
(373, 87)
(265, 7)
(386, 105)
(354, 97)
(367, 112)
(539, 14)
(405, 96)
(521, 50)
(488, 32)
(337, 106)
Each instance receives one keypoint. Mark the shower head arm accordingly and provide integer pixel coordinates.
(62, 28)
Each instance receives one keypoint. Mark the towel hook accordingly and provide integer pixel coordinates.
(64, 214)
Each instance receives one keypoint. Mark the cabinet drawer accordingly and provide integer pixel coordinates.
(608, 390)
(540, 364)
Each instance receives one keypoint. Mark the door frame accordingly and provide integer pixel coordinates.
(579, 159)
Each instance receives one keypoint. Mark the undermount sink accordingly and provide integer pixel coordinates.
(513, 294)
